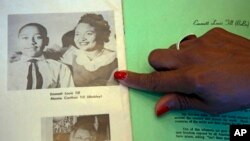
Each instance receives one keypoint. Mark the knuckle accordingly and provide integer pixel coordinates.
(196, 81)
(183, 102)
(215, 32)
(217, 29)
(153, 81)
(153, 56)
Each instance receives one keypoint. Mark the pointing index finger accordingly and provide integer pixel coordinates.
(164, 81)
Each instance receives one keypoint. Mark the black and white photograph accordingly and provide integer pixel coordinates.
(76, 128)
(59, 58)
(61, 50)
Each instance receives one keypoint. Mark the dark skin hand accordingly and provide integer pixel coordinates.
(210, 73)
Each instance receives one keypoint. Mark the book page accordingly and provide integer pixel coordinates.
(160, 24)
(57, 63)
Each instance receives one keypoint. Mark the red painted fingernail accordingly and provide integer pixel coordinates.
(120, 75)
(161, 110)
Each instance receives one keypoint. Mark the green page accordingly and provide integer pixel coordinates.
(159, 24)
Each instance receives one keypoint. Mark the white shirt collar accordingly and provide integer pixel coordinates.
(92, 65)
(27, 58)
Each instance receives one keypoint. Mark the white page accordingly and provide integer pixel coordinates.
(34, 114)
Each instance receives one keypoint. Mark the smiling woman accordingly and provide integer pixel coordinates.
(91, 63)
(85, 36)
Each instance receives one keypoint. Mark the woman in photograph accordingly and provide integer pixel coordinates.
(90, 62)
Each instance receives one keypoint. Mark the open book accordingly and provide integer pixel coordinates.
(57, 63)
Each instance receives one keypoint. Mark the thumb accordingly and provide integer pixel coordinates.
(176, 101)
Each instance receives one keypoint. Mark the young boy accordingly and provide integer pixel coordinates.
(33, 70)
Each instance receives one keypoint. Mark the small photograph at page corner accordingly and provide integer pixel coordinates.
(76, 128)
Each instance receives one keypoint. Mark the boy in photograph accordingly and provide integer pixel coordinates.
(33, 70)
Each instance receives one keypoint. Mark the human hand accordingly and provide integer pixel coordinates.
(210, 73)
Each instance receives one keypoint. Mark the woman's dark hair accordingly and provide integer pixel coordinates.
(101, 26)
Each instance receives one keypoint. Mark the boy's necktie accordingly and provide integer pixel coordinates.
(39, 79)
